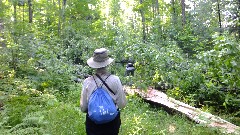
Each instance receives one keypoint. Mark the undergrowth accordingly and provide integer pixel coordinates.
(48, 113)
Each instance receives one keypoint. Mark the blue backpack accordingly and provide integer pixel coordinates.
(101, 108)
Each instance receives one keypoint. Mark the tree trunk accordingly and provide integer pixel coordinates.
(238, 15)
(59, 18)
(157, 7)
(30, 11)
(2, 38)
(194, 6)
(153, 9)
(183, 13)
(23, 12)
(219, 17)
(63, 10)
(15, 12)
(143, 23)
(174, 15)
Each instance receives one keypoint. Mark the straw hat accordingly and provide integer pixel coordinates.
(100, 59)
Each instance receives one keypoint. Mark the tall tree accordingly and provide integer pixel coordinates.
(115, 11)
(183, 12)
(63, 10)
(174, 12)
(30, 11)
(219, 16)
(15, 11)
(157, 7)
(233, 7)
(238, 18)
(59, 17)
(143, 23)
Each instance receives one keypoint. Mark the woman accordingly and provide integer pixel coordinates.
(100, 61)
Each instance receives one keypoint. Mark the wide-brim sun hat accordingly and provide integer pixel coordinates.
(100, 59)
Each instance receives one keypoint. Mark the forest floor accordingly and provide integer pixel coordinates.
(55, 114)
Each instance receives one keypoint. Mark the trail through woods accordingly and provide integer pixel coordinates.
(195, 114)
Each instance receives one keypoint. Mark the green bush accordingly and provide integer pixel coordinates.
(212, 79)
(221, 66)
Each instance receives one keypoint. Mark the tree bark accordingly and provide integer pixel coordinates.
(59, 18)
(219, 17)
(30, 11)
(143, 23)
(63, 10)
(15, 12)
(157, 7)
(183, 13)
(174, 15)
(153, 8)
(23, 12)
(238, 15)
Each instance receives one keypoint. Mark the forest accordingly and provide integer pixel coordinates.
(190, 49)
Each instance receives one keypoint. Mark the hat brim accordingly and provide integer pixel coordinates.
(94, 64)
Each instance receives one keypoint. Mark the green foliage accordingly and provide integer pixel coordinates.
(221, 65)
(32, 123)
(43, 57)
(24, 108)
(211, 80)
(29, 111)
(76, 47)
(65, 117)
(157, 63)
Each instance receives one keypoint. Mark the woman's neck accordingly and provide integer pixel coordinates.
(101, 70)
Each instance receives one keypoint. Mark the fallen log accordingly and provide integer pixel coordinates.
(193, 113)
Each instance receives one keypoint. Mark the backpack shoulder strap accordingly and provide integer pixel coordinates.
(95, 81)
(105, 83)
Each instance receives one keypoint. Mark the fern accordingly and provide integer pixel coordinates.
(31, 124)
